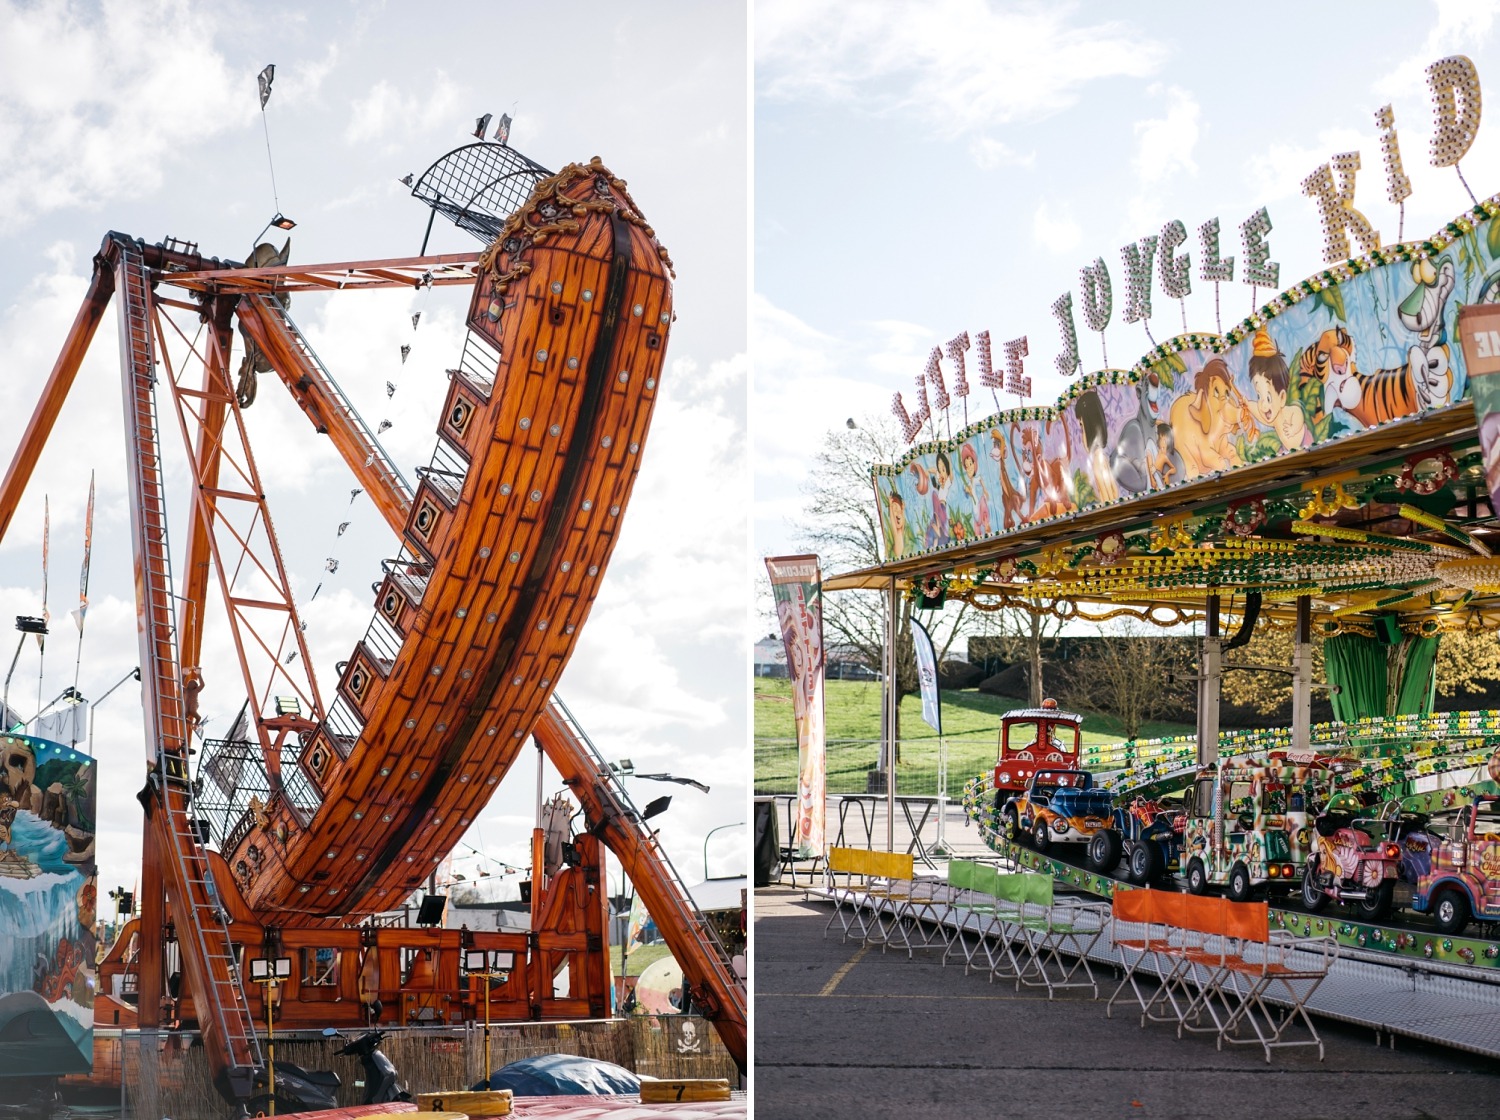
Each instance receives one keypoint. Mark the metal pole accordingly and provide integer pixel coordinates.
(271, 1040)
(1302, 676)
(893, 701)
(941, 848)
(487, 1023)
(5, 701)
(1208, 686)
(537, 856)
(736, 824)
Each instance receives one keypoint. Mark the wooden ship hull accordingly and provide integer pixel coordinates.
(505, 548)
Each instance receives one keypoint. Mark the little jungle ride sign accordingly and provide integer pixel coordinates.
(1371, 340)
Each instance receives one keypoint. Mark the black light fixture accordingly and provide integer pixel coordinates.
(656, 808)
(30, 624)
(281, 221)
(431, 911)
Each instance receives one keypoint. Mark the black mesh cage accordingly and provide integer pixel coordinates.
(479, 186)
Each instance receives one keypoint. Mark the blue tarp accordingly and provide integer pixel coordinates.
(558, 1075)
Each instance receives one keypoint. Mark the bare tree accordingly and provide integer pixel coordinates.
(1133, 673)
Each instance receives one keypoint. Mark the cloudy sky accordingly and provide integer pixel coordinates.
(143, 117)
(946, 166)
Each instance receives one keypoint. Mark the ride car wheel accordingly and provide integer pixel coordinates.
(1376, 904)
(1104, 851)
(1013, 831)
(1451, 911)
(1040, 835)
(1197, 877)
(1239, 883)
(1313, 898)
(1145, 864)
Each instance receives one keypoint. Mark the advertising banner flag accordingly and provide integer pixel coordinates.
(932, 710)
(797, 585)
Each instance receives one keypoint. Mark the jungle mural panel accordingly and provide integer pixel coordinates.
(48, 887)
(1359, 345)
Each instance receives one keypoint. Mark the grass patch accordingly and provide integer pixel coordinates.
(641, 956)
(971, 728)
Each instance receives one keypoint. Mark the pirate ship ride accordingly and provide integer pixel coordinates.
(291, 837)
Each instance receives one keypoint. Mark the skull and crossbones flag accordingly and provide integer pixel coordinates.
(265, 77)
(481, 124)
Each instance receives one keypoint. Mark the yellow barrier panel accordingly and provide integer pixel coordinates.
(492, 1102)
(672, 1090)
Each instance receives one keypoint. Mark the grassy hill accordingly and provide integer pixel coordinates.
(971, 726)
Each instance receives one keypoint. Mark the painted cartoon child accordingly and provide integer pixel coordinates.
(942, 482)
(898, 540)
(1270, 379)
(978, 493)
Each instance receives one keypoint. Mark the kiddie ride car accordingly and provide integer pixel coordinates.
(1460, 878)
(1062, 807)
(1350, 861)
(1247, 821)
(1032, 738)
(1149, 833)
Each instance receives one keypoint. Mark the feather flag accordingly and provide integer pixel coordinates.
(264, 78)
(88, 546)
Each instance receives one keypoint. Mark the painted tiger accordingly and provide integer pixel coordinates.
(1373, 398)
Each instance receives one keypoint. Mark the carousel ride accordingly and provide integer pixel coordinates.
(322, 811)
(1325, 467)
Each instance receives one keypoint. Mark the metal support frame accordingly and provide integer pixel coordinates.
(892, 697)
(1302, 676)
(1210, 678)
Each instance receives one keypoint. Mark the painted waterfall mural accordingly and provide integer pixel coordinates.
(47, 903)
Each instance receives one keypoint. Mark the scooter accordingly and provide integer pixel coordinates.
(381, 1086)
(301, 1090)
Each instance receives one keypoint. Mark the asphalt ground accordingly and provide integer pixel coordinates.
(844, 1031)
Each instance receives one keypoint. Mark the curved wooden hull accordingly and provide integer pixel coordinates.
(476, 620)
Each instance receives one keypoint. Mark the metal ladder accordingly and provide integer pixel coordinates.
(581, 758)
(213, 973)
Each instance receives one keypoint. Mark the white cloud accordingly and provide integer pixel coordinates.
(990, 154)
(105, 107)
(1164, 145)
(389, 113)
(1277, 171)
(959, 66)
(1057, 233)
(1462, 26)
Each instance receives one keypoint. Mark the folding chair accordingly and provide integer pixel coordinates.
(1213, 962)
(1281, 965)
(894, 893)
(972, 908)
(848, 897)
(997, 906)
(1138, 934)
(1175, 955)
(921, 905)
(1054, 929)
